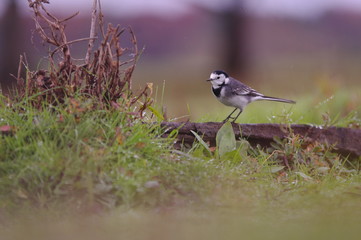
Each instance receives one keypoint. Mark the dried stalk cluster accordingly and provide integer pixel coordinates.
(102, 73)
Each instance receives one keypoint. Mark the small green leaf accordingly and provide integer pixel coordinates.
(225, 139)
(275, 169)
(200, 140)
(304, 176)
(156, 113)
(243, 146)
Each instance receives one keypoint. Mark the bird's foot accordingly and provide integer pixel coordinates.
(227, 119)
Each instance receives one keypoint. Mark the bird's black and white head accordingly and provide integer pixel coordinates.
(218, 79)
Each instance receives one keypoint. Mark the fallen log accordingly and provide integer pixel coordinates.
(347, 141)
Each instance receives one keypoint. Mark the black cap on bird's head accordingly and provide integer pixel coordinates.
(220, 72)
(218, 78)
(218, 75)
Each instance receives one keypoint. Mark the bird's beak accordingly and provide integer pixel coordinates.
(208, 80)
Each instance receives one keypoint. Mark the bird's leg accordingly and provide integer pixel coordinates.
(234, 119)
(230, 115)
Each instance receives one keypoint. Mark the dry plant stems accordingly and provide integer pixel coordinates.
(92, 31)
(104, 73)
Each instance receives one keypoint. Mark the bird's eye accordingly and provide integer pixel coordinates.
(217, 77)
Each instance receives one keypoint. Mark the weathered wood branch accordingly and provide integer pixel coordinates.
(347, 141)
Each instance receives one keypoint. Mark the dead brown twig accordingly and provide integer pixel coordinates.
(92, 31)
(105, 73)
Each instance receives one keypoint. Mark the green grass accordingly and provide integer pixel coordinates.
(84, 173)
(91, 156)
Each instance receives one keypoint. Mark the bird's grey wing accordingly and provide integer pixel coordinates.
(239, 88)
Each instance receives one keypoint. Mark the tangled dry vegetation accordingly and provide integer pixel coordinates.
(105, 73)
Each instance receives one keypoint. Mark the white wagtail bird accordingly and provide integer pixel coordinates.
(233, 93)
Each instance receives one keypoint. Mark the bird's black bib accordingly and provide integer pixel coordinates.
(217, 91)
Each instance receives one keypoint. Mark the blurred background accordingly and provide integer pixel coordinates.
(309, 51)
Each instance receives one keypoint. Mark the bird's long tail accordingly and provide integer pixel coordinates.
(267, 98)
